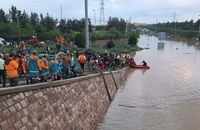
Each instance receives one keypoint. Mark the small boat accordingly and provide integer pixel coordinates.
(140, 66)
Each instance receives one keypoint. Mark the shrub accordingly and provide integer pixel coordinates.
(110, 44)
(133, 39)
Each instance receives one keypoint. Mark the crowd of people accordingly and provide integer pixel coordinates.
(34, 67)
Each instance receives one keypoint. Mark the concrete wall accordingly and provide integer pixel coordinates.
(76, 104)
(103, 42)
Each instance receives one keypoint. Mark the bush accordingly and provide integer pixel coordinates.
(110, 44)
(133, 39)
(37, 45)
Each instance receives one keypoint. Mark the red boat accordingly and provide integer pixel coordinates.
(140, 66)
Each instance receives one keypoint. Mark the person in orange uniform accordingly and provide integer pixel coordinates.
(22, 66)
(44, 73)
(82, 60)
(44, 59)
(11, 67)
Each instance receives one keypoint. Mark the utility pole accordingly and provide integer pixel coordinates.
(199, 26)
(86, 26)
(61, 10)
(156, 23)
(94, 17)
(174, 17)
(163, 23)
(18, 26)
(126, 26)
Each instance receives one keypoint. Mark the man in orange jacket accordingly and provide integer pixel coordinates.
(11, 67)
(82, 60)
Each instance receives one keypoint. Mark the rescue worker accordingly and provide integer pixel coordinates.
(34, 67)
(44, 73)
(144, 63)
(44, 59)
(106, 60)
(82, 60)
(5, 55)
(2, 70)
(28, 79)
(133, 61)
(22, 67)
(73, 67)
(11, 67)
(101, 65)
(53, 68)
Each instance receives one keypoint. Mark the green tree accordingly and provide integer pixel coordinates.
(49, 22)
(63, 26)
(13, 12)
(54, 32)
(34, 19)
(77, 25)
(28, 31)
(9, 31)
(80, 40)
(99, 35)
(73, 35)
(3, 16)
(24, 19)
(41, 32)
(133, 39)
(119, 24)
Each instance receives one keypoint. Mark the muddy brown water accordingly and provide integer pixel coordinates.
(165, 97)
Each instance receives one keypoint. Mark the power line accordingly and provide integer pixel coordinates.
(53, 3)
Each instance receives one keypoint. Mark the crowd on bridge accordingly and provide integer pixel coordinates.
(34, 67)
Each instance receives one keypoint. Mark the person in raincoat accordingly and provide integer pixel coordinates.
(11, 67)
(53, 68)
(74, 67)
(34, 67)
(44, 59)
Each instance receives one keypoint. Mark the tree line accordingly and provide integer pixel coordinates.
(185, 29)
(17, 24)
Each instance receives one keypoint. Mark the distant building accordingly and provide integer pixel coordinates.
(162, 36)
(139, 24)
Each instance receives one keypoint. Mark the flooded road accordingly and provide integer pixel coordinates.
(165, 97)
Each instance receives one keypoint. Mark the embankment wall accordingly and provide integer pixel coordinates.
(76, 103)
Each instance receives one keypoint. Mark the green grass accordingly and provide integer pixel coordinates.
(119, 47)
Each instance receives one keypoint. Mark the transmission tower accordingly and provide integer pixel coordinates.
(174, 19)
(102, 18)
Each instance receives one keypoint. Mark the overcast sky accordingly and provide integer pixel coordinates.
(141, 11)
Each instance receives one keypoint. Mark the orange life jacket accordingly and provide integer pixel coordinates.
(82, 58)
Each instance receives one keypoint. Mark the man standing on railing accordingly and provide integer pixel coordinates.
(66, 65)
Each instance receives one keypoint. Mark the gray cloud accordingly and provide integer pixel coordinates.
(140, 11)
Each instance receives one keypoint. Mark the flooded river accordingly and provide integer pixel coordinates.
(165, 97)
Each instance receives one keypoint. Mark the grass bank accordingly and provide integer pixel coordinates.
(41, 48)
